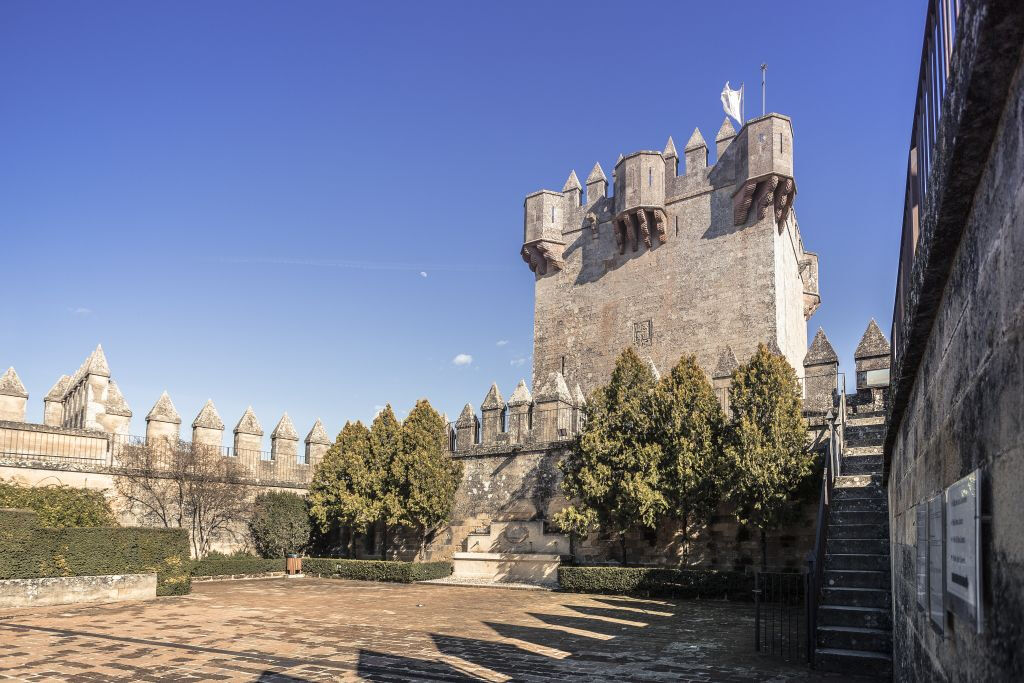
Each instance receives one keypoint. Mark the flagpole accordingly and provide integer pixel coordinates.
(743, 104)
(764, 69)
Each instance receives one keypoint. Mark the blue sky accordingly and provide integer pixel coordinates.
(316, 207)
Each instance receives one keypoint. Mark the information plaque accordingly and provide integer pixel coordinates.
(921, 521)
(963, 532)
(936, 606)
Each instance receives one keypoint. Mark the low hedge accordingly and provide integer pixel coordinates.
(236, 564)
(376, 570)
(59, 506)
(29, 550)
(657, 582)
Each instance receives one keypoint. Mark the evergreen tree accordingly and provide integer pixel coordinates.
(688, 424)
(613, 473)
(425, 475)
(279, 524)
(341, 493)
(385, 448)
(766, 441)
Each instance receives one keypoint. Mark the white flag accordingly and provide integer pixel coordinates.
(732, 102)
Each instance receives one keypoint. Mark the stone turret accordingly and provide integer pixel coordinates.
(208, 428)
(117, 416)
(85, 399)
(163, 420)
(821, 365)
(53, 402)
(872, 361)
(284, 441)
(467, 429)
(317, 443)
(726, 134)
(248, 434)
(696, 152)
(671, 157)
(722, 376)
(519, 404)
(13, 397)
(553, 414)
(493, 412)
(572, 190)
(597, 185)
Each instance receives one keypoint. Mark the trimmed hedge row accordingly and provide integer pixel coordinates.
(59, 506)
(236, 564)
(376, 570)
(29, 550)
(657, 582)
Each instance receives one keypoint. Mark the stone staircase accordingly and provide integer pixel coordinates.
(854, 629)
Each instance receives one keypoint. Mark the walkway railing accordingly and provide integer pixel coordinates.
(780, 615)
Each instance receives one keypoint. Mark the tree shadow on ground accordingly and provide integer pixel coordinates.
(382, 666)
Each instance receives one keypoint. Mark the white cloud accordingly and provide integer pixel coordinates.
(81, 310)
(502, 342)
(423, 273)
(462, 359)
(516, 362)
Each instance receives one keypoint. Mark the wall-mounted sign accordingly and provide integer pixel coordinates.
(963, 560)
(921, 521)
(936, 606)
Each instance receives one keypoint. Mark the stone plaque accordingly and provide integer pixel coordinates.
(936, 606)
(963, 529)
(922, 554)
(643, 333)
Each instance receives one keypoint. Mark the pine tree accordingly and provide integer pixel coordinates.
(612, 474)
(341, 493)
(385, 449)
(425, 475)
(689, 423)
(766, 441)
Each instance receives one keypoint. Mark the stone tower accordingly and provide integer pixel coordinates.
(674, 262)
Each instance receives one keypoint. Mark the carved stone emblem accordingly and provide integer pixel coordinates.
(516, 533)
(643, 333)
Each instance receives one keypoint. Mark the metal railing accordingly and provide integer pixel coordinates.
(547, 424)
(780, 615)
(936, 54)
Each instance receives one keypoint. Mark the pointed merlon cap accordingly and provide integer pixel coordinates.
(318, 434)
(116, 405)
(873, 343)
(555, 389)
(596, 175)
(10, 384)
(208, 417)
(248, 424)
(654, 370)
(578, 399)
(726, 131)
(521, 396)
(726, 363)
(572, 182)
(670, 149)
(821, 351)
(58, 390)
(696, 141)
(164, 411)
(285, 429)
(773, 346)
(98, 362)
(493, 400)
(467, 417)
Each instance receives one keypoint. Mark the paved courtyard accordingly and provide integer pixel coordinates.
(323, 629)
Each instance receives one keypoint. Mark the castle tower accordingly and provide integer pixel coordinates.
(493, 412)
(672, 263)
(284, 441)
(248, 436)
(821, 365)
(317, 443)
(13, 397)
(208, 428)
(163, 421)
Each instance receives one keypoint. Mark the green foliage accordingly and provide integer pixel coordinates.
(216, 564)
(342, 488)
(59, 506)
(385, 452)
(613, 474)
(425, 475)
(29, 550)
(376, 570)
(279, 524)
(766, 441)
(657, 582)
(688, 424)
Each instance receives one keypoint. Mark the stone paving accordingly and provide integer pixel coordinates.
(325, 630)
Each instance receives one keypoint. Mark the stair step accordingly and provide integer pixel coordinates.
(871, 531)
(859, 481)
(858, 546)
(856, 597)
(861, 464)
(857, 578)
(855, 638)
(848, 503)
(859, 517)
(856, 562)
(849, 615)
(870, 492)
(865, 419)
(862, 449)
(853, 661)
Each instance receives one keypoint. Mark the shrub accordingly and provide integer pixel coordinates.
(216, 564)
(29, 550)
(279, 524)
(376, 570)
(59, 506)
(657, 582)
